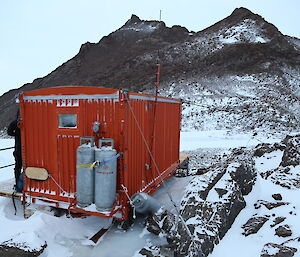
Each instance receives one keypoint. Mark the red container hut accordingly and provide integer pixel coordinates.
(145, 129)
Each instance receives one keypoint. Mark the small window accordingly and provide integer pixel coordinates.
(67, 120)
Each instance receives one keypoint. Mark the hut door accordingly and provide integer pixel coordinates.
(68, 136)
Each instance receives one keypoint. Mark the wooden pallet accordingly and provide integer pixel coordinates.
(183, 157)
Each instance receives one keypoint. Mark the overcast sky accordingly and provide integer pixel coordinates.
(39, 35)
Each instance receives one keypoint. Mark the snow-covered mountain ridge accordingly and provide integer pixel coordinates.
(247, 77)
(242, 73)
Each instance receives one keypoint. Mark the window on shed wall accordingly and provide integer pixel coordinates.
(67, 120)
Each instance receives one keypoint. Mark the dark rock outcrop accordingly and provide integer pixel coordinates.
(284, 177)
(241, 169)
(157, 251)
(203, 184)
(263, 148)
(254, 224)
(215, 198)
(291, 154)
(283, 231)
(276, 250)
(161, 222)
(210, 205)
(11, 249)
(150, 251)
(285, 174)
(222, 202)
(16, 252)
(268, 205)
(277, 221)
(277, 197)
(164, 223)
(245, 175)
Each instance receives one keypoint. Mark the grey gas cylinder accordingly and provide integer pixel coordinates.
(105, 175)
(144, 203)
(85, 176)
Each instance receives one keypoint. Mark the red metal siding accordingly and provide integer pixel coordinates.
(160, 129)
(130, 119)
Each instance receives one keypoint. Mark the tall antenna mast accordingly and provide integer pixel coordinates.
(156, 96)
(157, 77)
(158, 66)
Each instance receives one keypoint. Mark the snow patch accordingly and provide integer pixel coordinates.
(246, 31)
(142, 27)
(27, 241)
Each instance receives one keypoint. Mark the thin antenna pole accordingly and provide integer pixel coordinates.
(157, 79)
(158, 67)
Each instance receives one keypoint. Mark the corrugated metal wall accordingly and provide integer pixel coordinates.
(160, 128)
(39, 141)
(48, 146)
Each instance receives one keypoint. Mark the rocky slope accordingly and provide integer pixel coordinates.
(249, 196)
(241, 72)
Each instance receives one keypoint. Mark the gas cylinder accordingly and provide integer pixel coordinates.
(105, 175)
(144, 203)
(85, 176)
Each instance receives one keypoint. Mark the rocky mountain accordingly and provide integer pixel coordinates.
(241, 72)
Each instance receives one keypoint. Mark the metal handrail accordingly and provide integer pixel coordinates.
(6, 148)
(6, 166)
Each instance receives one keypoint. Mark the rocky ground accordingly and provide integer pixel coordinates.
(216, 195)
(22, 245)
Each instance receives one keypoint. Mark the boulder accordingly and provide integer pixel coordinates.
(254, 224)
(206, 220)
(276, 250)
(277, 221)
(283, 231)
(150, 251)
(164, 223)
(263, 148)
(19, 246)
(10, 251)
(277, 197)
(221, 191)
(157, 251)
(268, 205)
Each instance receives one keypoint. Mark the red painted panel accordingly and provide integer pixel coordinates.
(137, 123)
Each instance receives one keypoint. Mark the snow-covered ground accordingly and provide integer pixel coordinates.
(6, 158)
(193, 140)
(69, 236)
